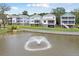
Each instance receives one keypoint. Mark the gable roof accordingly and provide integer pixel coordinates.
(68, 15)
(23, 16)
(18, 16)
(36, 17)
(48, 15)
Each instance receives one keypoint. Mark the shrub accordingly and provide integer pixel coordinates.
(13, 27)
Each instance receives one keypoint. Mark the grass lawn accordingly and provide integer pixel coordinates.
(56, 29)
(3, 30)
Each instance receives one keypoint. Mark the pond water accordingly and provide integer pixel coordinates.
(61, 45)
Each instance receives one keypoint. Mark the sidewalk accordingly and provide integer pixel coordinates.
(46, 31)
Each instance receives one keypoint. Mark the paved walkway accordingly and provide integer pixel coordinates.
(46, 31)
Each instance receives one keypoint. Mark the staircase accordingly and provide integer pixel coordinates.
(65, 26)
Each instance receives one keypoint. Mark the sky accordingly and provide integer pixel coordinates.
(18, 8)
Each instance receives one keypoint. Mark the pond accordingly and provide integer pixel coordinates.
(61, 45)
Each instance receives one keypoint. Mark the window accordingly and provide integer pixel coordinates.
(64, 17)
(68, 17)
(37, 21)
(18, 18)
(65, 22)
(9, 18)
(24, 20)
(71, 22)
(44, 21)
(13, 20)
(50, 21)
(71, 17)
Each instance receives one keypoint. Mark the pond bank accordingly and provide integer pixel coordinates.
(3, 30)
(52, 32)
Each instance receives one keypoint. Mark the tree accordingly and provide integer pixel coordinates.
(76, 13)
(58, 12)
(3, 9)
(34, 14)
(25, 13)
(42, 14)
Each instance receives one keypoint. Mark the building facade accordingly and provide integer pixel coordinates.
(49, 20)
(35, 20)
(18, 19)
(67, 19)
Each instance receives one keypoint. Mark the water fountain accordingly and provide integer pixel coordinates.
(38, 40)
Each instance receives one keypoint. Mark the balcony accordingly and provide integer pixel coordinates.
(50, 23)
(68, 22)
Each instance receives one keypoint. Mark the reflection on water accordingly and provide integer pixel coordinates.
(13, 44)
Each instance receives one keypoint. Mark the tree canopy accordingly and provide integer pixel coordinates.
(3, 9)
(42, 14)
(58, 12)
(25, 13)
(76, 13)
